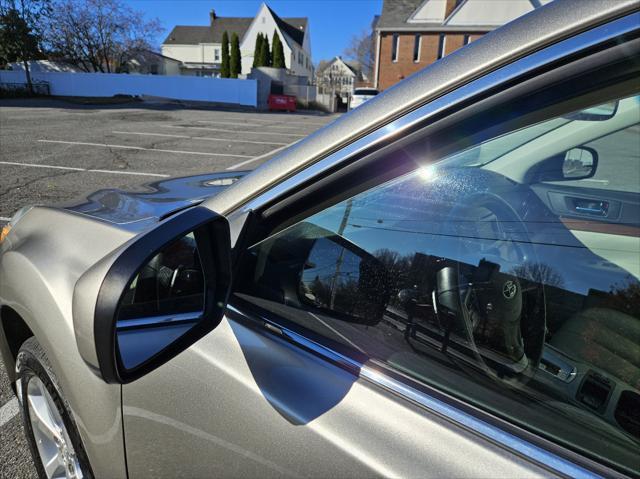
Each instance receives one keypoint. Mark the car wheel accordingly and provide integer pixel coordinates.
(51, 431)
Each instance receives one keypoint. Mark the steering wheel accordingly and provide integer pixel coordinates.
(488, 294)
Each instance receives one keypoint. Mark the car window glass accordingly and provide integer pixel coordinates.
(504, 281)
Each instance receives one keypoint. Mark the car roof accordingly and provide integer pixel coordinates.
(540, 28)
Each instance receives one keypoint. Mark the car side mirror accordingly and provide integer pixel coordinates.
(344, 280)
(154, 297)
(575, 164)
(579, 163)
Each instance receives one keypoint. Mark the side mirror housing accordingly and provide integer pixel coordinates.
(575, 164)
(579, 163)
(341, 278)
(155, 296)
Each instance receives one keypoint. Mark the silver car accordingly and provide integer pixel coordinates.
(443, 283)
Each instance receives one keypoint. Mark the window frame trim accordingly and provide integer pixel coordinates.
(442, 46)
(418, 37)
(395, 46)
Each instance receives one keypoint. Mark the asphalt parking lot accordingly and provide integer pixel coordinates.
(53, 151)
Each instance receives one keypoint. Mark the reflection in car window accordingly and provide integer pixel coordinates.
(506, 279)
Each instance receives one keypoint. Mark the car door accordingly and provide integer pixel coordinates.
(417, 311)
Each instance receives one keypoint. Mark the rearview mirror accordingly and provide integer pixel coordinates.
(154, 297)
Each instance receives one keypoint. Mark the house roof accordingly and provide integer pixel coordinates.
(469, 14)
(150, 53)
(395, 13)
(194, 35)
(187, 35)
(350, 66)
(294, 27)
(237, 25)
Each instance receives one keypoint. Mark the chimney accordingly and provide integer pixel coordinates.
(212, 15)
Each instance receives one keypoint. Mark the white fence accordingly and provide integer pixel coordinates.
(222, 90)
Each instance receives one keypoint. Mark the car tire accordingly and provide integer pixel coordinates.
(40, 392)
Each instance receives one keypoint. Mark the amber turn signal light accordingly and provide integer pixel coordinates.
(4, 232)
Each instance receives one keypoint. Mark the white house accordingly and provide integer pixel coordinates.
(339, 77)
(199, 48)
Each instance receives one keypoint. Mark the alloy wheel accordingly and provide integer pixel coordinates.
(54, 445)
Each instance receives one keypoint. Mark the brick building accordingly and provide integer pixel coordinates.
(412, 34)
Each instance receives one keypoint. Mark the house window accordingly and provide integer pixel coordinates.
(441, 45)
(216, 55)
(416, 47)
(466, 38)
(394, 47)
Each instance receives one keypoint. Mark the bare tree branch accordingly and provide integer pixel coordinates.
(98, 35)
(361, 50)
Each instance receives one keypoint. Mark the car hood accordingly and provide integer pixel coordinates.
(134, 210)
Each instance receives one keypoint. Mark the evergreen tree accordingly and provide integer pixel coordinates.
(225, 71)
(235, 63)
(257, 50)
(278, 52)
(20, 32)
(265, 53)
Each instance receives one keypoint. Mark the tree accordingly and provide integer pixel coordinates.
(236, 61)
(98, 35)
(225, 70)
(20, 27)
(257, 50)
(539, 273)
(265, 53)
(361, 50)
(278, 52)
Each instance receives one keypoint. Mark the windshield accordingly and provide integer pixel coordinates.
(575, 128)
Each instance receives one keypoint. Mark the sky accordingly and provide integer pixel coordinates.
(333, 23)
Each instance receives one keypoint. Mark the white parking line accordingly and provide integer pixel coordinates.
(140, 133)
(282, 119)
(230, 123)
(242, 163)
(282, 127)
(126, 147)
(337, 332)
(261, 125)
(135, 173)
(38, 165)
(71, 168)
(9, 411)
(4, 218)
(234, 131)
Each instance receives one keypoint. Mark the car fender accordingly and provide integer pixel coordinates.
(41, 260)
